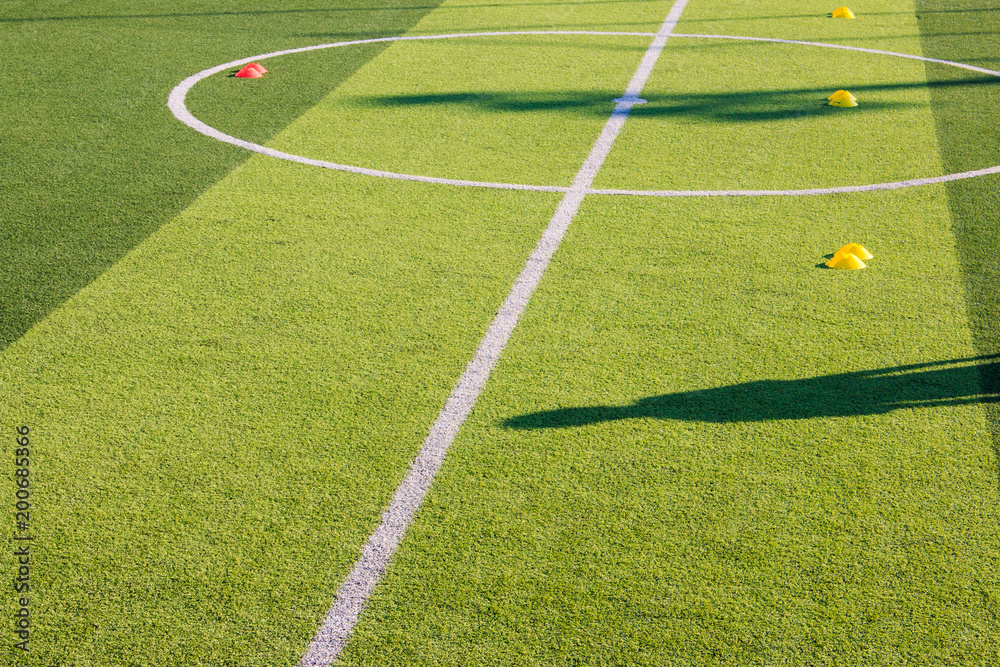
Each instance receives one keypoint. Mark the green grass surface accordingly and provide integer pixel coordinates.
(700, 447)
(223, 418)
(686, 458)
(503, 127)
(734, 113)
(93, 162)
(969, 135)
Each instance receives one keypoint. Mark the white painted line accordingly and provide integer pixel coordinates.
(874, 187)
(180, 111)
(825, 45)
(380, 547)
(176, 104)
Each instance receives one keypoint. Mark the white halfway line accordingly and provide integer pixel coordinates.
(377, 552)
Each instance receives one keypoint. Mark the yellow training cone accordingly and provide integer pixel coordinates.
(855, 249)
(842, 13)
(845, 261)
(842, 95)
(847, 100)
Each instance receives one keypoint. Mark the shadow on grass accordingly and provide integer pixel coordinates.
(429, 6)
(765, 105)
(928, 385)
(365, 7)
(92, 165)
(966, 133)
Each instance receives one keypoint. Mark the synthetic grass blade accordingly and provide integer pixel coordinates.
(378, 551)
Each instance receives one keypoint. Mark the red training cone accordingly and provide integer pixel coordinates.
(258, 67)
(249, 72)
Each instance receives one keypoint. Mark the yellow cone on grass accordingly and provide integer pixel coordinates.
(842, 95)
(843, 98)
(842, 13)
(846, 261)
(859, 251)
(850, 257)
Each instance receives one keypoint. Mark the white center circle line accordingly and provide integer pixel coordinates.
(176, 103)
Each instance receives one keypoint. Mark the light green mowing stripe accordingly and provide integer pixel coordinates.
(614, 15)
(377, 553)
(91, 162)
(699, 448)
(702, 448)
(219, 420)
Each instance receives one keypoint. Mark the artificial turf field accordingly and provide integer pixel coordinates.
(699, 447)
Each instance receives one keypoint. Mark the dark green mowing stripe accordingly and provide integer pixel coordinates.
(968, 130)
(92, 162)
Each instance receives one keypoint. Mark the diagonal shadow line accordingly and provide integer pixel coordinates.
(145, 169)
(973, 380)
(762, 105)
